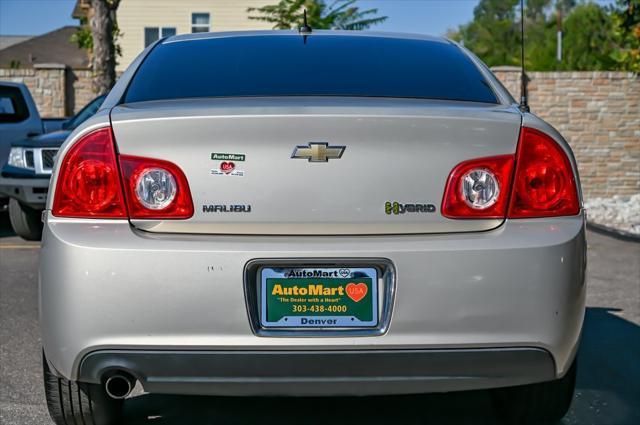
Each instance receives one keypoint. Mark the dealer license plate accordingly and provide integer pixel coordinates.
(318, 297)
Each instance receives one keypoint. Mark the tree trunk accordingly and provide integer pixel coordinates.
(104, 51)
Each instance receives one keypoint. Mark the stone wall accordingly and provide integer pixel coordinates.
(599, 115)
(57, 90)
(79, 89)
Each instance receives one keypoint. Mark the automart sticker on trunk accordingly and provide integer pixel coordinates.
(227, 167)
(227, 156)
(319, 297)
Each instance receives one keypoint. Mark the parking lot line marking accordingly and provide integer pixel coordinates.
(16, 246)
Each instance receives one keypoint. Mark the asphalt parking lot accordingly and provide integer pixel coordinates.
(608, 370)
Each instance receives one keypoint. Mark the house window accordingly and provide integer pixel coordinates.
(152, 34)
(200, 22)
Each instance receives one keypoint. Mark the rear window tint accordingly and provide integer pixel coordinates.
(326, 65)
(87, 112)
(13, 108)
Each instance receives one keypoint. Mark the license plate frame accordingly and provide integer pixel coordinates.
(313, 297)
(386, 273)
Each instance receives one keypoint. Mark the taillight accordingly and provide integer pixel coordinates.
(544, 184)
(88, 183)
(155, 189)
(479, 188)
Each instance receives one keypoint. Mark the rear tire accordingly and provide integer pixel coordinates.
(26, 222)
(78, 403)
(543, 403)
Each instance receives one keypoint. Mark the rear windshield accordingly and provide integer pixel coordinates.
(321, 65)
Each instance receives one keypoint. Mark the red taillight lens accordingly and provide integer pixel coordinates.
(544, 184)
(479, 188)
(155, 189)
(88, 183)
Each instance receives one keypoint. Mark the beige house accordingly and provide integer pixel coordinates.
(142, 22)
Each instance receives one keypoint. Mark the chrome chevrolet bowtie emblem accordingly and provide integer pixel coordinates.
(318, 152)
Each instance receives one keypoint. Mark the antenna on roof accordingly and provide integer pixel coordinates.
(524, 106)
(305, 29)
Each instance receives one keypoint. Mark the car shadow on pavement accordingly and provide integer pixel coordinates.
(608, 384)
(607, 392)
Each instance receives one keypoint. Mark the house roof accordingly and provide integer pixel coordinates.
(52, 47)
(10, 40)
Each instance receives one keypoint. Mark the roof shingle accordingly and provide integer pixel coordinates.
(52, 47)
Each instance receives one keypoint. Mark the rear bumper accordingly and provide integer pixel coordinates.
(318, 373)
(106, 287)
(30, 192)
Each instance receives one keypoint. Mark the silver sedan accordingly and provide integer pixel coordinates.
(334, 213)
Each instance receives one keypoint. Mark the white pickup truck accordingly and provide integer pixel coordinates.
(19, 119)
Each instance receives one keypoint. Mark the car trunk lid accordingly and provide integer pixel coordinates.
(248, 163)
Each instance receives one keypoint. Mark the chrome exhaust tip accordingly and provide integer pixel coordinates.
(119, 386)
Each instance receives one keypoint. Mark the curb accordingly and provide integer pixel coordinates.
(614, 233)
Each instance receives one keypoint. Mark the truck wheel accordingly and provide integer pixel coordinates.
(26, 222)
(78, 403)
(543, 403)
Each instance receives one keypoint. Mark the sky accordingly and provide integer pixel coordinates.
(34, 17)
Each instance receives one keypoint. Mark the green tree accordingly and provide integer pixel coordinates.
(626, 21)
(341, 14)
(540, 35)
(537, 9)
(493, 34)
(594, 37)
(565, 6)
(588, 39)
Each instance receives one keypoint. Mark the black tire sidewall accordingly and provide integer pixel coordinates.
(71, 402)
(26, 222)
(542, 403)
